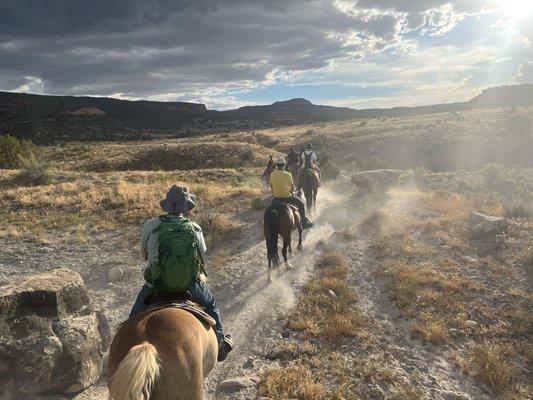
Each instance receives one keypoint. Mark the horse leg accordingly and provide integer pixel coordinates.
(290, 246)
(299, 247)
(269, 270)
(315, 192)
(286, 242)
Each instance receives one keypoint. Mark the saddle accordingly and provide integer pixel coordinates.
(278, 202)
(182, 300)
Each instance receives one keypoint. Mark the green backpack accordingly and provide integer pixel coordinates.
(180, 260)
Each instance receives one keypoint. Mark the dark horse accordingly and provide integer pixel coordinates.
(280, 219)
(308, 181)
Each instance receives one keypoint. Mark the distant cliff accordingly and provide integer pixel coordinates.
(46, 119)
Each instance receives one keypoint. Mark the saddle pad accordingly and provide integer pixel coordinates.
(188, 306)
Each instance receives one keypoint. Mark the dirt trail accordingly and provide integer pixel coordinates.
(251, 306)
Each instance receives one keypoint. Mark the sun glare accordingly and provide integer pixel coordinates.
(517, 9)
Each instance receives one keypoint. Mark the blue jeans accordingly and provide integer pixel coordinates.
(200, 294)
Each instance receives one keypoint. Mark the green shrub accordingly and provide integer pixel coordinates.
(35, 170)
(12, 150)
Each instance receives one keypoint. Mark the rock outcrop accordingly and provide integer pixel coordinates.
(488, 224)
(50, 336)
(375, 180)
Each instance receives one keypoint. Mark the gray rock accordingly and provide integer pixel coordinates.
(471, 324)
(375, 180)
(235, 384)
(249, 363)
(115, 274)
(285, 333)
(49, 336)
(488, 223)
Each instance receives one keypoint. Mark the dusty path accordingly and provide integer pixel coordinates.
(251, 306)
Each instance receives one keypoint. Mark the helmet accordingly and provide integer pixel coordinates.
(280, 160)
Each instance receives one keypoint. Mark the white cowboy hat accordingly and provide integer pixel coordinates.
(280, 160)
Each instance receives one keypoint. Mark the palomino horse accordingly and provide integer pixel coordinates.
(308, 181)
(161, 355)
(280, 219)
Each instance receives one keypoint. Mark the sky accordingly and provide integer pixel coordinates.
(231, 53)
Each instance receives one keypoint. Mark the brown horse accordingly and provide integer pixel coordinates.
(309, 182)
(161, 355)
(280, 219)
(293, 170)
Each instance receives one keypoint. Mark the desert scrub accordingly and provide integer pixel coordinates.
(114, 200)
(13, 150)
(215, 226)
(328, 309)
(488, 363)
(35, 170)
(455, 290)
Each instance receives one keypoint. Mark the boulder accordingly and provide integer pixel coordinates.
(235, 384)
(487, 223)
(115, 274)
(375, 180)
(50, 340)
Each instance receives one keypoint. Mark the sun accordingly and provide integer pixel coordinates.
(516, 9)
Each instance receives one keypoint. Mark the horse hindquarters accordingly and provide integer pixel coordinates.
(136, 374)
(185, 352)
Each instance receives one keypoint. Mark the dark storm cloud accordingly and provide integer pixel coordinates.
(162, 48)
(141, 48)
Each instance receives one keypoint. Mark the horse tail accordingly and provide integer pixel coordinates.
(136, 374)
(271, 221)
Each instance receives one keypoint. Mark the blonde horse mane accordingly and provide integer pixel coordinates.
(136, 374)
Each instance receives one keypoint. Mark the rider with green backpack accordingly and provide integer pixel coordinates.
(173, 246)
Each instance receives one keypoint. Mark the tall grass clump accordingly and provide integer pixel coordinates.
(35, 170)
(13, 150)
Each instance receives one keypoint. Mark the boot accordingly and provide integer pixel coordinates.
(225, 347)
(306, 224)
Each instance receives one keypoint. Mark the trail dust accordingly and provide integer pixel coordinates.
(251, 307)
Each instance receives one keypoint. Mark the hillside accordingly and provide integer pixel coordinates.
(47, 119)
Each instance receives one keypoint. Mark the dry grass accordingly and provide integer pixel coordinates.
(296, 381)
(489, 363)
(154, 156)
(328, 310)
(459, 291)
(84, 201)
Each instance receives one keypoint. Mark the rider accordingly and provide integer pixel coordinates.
(308, 159)
(282, 186)
(270, 165)
(178, 203)
(292, 157)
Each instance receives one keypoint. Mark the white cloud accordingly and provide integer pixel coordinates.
(33, 84)
(524, 74)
